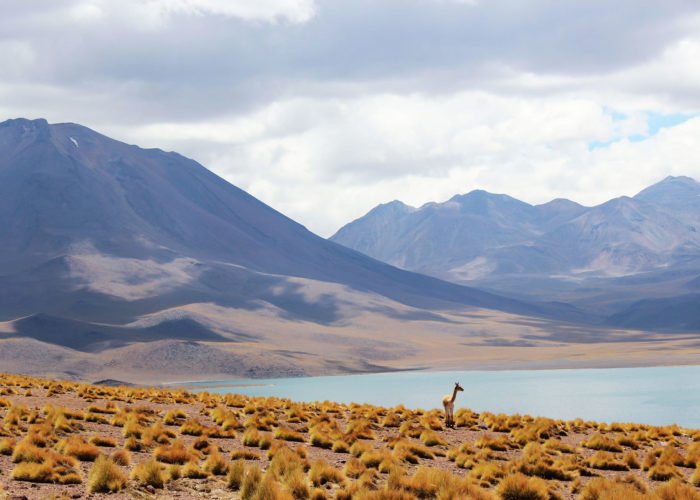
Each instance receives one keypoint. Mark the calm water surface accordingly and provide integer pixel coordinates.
(659, 395)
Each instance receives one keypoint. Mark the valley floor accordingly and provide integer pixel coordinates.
(64, 439)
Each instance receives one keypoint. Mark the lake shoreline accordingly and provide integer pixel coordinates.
(252, 381)
(659, 395)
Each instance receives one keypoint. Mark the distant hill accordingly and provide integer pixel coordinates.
(109, 247)
(558, 251)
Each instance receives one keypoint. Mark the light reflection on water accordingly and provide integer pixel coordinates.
(658, 395)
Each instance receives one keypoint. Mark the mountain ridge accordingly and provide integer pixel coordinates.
(499, 243)
(112, 249)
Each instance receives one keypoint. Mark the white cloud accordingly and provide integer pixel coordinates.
(327, 161)
(293, 11)
(324, 109)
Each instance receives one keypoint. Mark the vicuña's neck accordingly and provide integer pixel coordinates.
(454, 395)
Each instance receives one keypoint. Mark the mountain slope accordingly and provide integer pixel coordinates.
(68, 191)
(110, 248)
(558, 251)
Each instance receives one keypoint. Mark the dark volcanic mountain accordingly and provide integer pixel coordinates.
(69, 196)
(106, 245)
(556, 251)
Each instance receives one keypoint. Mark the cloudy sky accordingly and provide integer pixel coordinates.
(325, 108)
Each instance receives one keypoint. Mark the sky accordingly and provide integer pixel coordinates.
(325, 108)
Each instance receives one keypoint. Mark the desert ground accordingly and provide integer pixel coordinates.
(71, 440)
(369, 334)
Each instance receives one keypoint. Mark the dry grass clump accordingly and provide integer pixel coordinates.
(500, 443)
(537, 430)
(121, 457)
(236, 474)
(251, 481)
(75, 446)
(520, 487)
(251, 437)
(149, 473)
(106, 442)
(560, 446)
(600, 488)
(604, 460)
(321, 473)
(53, 468)
(663, 471)
(535, 461)
(175, 453)
(215, 464)
(431, 438)
(192, 470)
(676, 490)
(245, 455)
(287, 434)
(105, 476)
(599, 442)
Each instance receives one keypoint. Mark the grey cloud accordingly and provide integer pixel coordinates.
(241, 64)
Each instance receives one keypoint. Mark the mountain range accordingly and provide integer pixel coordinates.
(135, 264)
(629, 261)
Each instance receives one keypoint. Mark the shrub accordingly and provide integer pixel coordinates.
(663, 471)
(149, 473)
(27, 452)
(192, 471)
(599, 442)
(287, 434)
(431, 438)
(354, 468)
(235, 475)
(519, 487)
(121, 457)
(676, 490)
(215, 464)
(321, 473)
(500, 443)
(173, 454)
(192, 427)
(606, 461)
(251, 437)
(695, 478)
(106, 442)
(295, 482)
(340, 446)
(245, 455)
(600, 488)
(34, 472)
(105, 476)
(321, 440)
(251, 481)
(7, 446)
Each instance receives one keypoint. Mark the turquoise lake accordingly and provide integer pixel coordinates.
(659, 395)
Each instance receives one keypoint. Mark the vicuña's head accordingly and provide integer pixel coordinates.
(458, 387)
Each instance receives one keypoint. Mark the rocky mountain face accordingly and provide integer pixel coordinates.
(106, 246)
(558, 251)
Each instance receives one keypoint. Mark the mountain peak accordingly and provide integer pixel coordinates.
(671, 191)
(18, 122)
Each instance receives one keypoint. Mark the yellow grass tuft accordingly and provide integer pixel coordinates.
(599, 442)
(105, 476)
(149, 473)
(519, 487)
(321, 473)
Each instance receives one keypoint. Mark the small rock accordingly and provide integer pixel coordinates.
(150, 489)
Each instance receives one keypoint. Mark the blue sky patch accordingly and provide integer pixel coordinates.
(655, 122)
